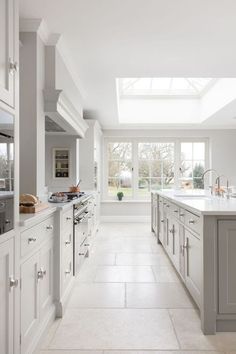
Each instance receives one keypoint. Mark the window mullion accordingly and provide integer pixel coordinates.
(177, 162)
(135, 169)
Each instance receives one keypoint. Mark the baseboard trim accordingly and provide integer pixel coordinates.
(126, 218)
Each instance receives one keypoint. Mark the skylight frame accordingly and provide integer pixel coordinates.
(192, 90)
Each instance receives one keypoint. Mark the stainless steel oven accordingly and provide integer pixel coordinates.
(81, 227)
(6, 172)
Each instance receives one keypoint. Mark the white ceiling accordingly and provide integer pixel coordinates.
(140, 38)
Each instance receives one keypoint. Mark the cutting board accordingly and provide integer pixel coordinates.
(33, 209)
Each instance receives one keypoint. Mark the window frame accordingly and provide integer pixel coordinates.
(135, 161)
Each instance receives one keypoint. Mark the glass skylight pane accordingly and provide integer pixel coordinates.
(163, 86)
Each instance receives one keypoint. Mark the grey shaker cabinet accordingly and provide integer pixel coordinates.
(6, 297)
(193, 271)
(227, 266)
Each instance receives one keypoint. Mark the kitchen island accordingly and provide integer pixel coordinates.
(198, 232)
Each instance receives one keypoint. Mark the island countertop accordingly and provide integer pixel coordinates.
(201, 203)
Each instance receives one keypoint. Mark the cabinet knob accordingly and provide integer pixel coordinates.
(69, 218)
(13, 283)
(13, 67)
(67, 243)
(32, 239)
(162, 220)
(40, 274)
(176, 211)
(81, 254)
(181, 214)
(185, 246)
(86, 244)
(7, 221)
(171, 231)
(49, 227)
(191, 221)
(67, 272)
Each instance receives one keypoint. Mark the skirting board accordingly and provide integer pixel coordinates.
(126, 218)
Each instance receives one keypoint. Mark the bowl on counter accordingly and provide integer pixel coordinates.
(58, 198)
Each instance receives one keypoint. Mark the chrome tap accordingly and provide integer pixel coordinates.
(227, 185)
(217, 180)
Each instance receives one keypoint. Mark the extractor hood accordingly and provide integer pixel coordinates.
(60, 116)
(62, 98)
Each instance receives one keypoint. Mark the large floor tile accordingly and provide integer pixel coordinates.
(159, 295)
(141, 259)
(115, 329)
(190, 336)
(101, 258)
(96, 295)
(165, 274)
(124, 274)
(70, 352)
(162, 352)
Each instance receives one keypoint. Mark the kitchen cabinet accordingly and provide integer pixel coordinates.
(37, 281)
(227, 266)
(7, 283)
(8, 64)
(29, 300)
(193, 265)
(61, 163)
(154, 214)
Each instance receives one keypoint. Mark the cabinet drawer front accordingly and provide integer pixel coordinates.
(67, 219)
(68, 239)
(67, 270)
(33, 237)
(174, 209)
(193, 222)
(182, 215)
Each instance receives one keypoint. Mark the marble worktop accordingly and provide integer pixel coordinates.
(201, 202)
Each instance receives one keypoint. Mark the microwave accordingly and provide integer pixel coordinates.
(6, 172)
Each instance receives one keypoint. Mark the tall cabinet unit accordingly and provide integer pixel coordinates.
(9, 244)
(8, 56)
(90, 163)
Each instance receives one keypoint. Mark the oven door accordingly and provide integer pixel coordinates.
(80, 236)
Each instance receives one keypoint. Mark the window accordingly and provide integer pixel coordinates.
(120, 168)
(192, 164)
(156, 166)
(136, 166)
(6, 166)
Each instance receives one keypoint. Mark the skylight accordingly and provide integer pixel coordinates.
(182, 87)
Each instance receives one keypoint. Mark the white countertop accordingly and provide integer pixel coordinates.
(204, 204)
(31, 219)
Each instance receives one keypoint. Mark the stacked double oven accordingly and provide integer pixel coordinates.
(82, 219)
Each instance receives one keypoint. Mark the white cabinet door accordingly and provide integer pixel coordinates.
(193, 261)
(29, 300)
(227, 266)
(7, 43)
(6, 297)
(46, 282)
(175, 244)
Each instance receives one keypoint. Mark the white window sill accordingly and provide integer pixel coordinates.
(126, 201)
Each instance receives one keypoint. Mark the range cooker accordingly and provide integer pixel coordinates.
(82, 217)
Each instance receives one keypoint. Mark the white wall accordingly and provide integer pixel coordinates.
(61, 141)
(222, 145)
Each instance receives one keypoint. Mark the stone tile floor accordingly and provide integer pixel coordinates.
(128, 299)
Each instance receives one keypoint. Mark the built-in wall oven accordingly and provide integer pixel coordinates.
(82, 216)
(6, 172)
